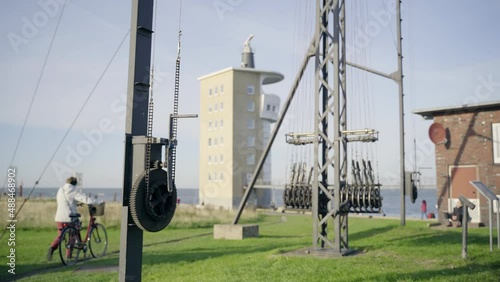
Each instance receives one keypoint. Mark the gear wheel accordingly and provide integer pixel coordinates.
(152, 211)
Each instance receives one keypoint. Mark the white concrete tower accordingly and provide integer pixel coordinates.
(235, 123)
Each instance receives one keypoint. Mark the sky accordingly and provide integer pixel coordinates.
(450, 50)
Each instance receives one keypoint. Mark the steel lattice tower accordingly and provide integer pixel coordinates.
(330, 108)
(329, 187)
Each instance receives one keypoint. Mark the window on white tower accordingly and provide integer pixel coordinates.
(250, 89)
(250, 123)
(251, 106)
(251, 141)
(251, 159)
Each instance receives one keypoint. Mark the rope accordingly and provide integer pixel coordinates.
(180, 15)
(410, 78)
(307, 103)
(69, 129)
(291, 110)
(361, 94)
(36, 90)
(392, 31)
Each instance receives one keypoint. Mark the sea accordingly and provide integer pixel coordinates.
(391, 205)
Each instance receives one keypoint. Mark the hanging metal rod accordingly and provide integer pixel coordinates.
(300, 138)
(184, 116)
(394, 76)
(359, 131)
(363, 135)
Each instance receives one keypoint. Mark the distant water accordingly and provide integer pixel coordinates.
(390, 202)
(187, 196)
(107, 194)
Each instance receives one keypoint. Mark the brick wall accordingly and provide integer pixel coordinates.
(470, 143)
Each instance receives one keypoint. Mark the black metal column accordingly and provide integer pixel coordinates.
(131, 237)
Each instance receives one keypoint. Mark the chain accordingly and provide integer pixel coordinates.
(149, 132)
(170, 154)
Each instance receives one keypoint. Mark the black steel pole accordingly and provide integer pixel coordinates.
(131, 236)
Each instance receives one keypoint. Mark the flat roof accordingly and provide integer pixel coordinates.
(271, 76)
(431, 112)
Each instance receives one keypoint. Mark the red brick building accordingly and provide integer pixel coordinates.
(471, 151)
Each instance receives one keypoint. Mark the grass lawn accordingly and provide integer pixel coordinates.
(389, 253)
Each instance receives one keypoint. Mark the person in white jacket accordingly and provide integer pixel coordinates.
(67, 198)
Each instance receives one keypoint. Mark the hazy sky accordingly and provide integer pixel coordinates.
(451, 57)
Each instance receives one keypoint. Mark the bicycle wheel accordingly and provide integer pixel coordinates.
(98, 240)
(68, 246)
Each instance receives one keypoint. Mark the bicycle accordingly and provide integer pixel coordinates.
(96, 238)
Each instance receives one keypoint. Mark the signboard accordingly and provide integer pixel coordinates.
(484, 190)
(493, 199)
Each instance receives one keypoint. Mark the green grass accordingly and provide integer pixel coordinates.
(389, 252)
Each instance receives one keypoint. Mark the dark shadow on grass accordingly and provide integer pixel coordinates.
(442, 238)
(187, 255)
(108, 260)
(371, 232)
(177, 240)
(443, 274)
(48, 268)
(279, 236)
(270, 222)
(199, 254)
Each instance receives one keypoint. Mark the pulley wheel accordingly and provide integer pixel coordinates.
(152, 211)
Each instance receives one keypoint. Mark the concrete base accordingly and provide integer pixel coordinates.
(235, 232)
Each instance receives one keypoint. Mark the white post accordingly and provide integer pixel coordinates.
(498, 223)
(490, 214)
